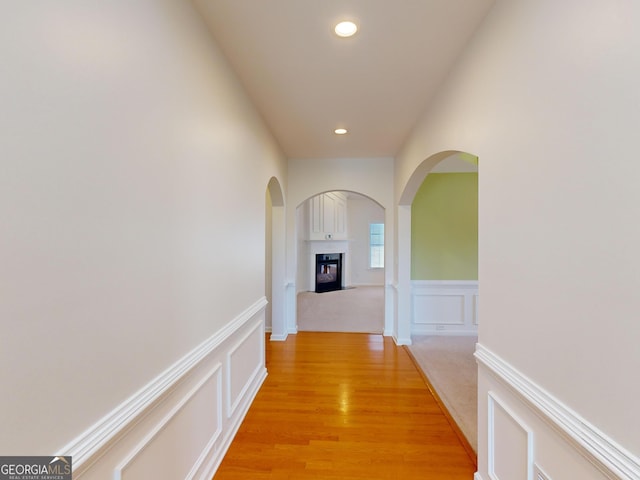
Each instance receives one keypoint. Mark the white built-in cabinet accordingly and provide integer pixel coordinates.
(328, 216)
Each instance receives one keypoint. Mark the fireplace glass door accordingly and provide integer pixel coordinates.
(328, 272)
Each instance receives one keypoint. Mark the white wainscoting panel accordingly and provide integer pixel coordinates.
(526, 426)
(510, 443)
(447, 307)
(476, 305)
(540, 474)
(176, 427)
(245, 361)
(196, 419)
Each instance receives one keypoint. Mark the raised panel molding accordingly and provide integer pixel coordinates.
(444, 307)
(245, 361)
(539, 474)
(510, 443)
(159, 414)
(329, 223)
(476, 306)
(328, 217)
(609, 457)
(147, 460)
(317, 215)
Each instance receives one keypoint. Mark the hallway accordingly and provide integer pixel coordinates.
(344, 406)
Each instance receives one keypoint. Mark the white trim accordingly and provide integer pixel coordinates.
(477, 476)
(443, 333)
(232, 404)
(539, 473)
(608, 456)
(475, 308)
(146, 441)
(95, 441)
(492, 401)
(221, 450)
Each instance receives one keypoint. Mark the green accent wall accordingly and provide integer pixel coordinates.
(444, 228)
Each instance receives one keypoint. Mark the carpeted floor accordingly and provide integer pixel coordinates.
(358, 309)
(450, 366)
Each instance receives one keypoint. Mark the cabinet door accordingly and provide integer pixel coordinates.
(316, 221)
(328, 217)
(339, 220)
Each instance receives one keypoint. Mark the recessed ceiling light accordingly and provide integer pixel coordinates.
(340, 131)
(346, 29)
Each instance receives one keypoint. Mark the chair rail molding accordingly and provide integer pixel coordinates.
(610, 458)
(119, 437)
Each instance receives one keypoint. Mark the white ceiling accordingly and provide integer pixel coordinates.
(306, 81)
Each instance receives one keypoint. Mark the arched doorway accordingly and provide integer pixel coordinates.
(275, 260)
(438, 298)
(404, 306)
(341, 232)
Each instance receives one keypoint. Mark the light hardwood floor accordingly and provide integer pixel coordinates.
(344, 406)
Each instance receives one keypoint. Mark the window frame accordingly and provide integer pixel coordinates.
(376, 245)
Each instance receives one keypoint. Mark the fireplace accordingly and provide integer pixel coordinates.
(328, 272)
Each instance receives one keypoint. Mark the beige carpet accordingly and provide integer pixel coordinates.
(358, 309)
(450, 366)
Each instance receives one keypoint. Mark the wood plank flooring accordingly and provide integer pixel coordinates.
(344, 406)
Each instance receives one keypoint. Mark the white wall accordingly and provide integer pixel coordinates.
(268, 267)
(546, 95)
(132, 204)
(361, 212)
(302, 234)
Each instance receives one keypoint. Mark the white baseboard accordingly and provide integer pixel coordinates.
(196, 404)
(444, 333)
(477, 476)
(402, 340)
(610, 458)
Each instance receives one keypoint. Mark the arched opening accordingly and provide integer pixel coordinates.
(444, 232)
(438, 278)
(340, 242)
(403, 317)
(275, 320)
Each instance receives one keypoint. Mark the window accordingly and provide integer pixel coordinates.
(376, 245)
